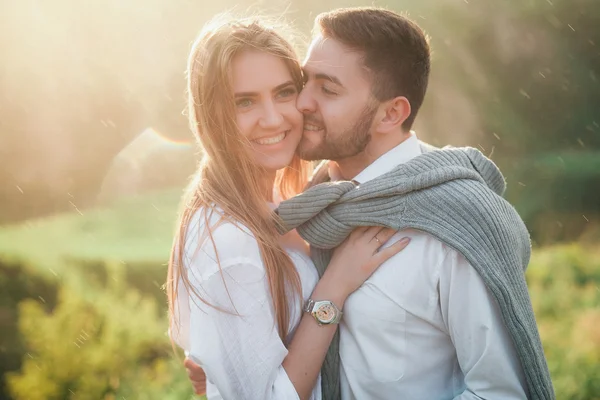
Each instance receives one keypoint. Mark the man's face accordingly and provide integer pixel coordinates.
(336, 101)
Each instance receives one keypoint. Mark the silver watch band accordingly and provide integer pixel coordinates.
(308, 306)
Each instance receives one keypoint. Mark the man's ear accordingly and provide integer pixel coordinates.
(395, 112)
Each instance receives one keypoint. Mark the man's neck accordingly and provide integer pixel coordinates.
(349, 167)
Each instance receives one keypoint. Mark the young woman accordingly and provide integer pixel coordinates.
(236, 287)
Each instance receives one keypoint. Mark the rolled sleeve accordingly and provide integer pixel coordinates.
(236, 337)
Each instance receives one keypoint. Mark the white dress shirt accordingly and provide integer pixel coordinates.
(241, 354)
(424, 326)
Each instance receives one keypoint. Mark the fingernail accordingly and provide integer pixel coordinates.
(404, 240)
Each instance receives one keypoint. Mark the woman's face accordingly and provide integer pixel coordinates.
(265, 99)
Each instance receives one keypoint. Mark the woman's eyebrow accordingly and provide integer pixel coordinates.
(252, 94)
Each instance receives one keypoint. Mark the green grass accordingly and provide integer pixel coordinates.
(135, 230)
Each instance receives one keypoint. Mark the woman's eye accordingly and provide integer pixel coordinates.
(243, 103)
(287, 92)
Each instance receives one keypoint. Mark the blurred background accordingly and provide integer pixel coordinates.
(95, 151)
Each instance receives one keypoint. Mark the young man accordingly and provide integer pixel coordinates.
(426, 325)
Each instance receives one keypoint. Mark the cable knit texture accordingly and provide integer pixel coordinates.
(453, 194)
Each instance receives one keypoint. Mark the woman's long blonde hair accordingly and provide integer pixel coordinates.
(227, 176)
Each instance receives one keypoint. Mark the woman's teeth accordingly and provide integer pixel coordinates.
(272, 140)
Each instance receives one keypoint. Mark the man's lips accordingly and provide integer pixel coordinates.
(312, 127)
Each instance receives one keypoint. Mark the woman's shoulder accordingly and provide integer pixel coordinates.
(211, 236)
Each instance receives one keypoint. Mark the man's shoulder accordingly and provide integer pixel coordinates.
(429, 249)
(424, 248)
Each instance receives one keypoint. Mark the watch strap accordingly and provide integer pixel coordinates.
(308, 306)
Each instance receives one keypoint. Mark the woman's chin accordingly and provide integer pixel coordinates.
(276, 163)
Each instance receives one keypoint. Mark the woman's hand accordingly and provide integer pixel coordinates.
(355, 260)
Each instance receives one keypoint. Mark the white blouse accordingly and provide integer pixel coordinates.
(237, 345)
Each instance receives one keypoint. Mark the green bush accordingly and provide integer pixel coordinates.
(564, 282)
(16, 284)
(103, 342)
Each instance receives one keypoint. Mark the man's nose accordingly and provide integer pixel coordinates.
(305, 103)
(271, 117)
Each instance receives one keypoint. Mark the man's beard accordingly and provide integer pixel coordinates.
(344, 145)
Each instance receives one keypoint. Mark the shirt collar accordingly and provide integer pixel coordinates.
(404, 152)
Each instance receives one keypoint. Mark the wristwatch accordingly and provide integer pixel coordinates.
(324, 312)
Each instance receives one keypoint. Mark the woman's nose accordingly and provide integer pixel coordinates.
(272, 117)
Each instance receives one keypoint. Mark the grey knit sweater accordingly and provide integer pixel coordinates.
(453, 194)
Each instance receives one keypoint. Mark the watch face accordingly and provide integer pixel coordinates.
(325, 313)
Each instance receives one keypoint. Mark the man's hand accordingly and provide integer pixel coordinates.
(196, 375)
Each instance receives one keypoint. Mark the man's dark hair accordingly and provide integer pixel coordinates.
(395, 51)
